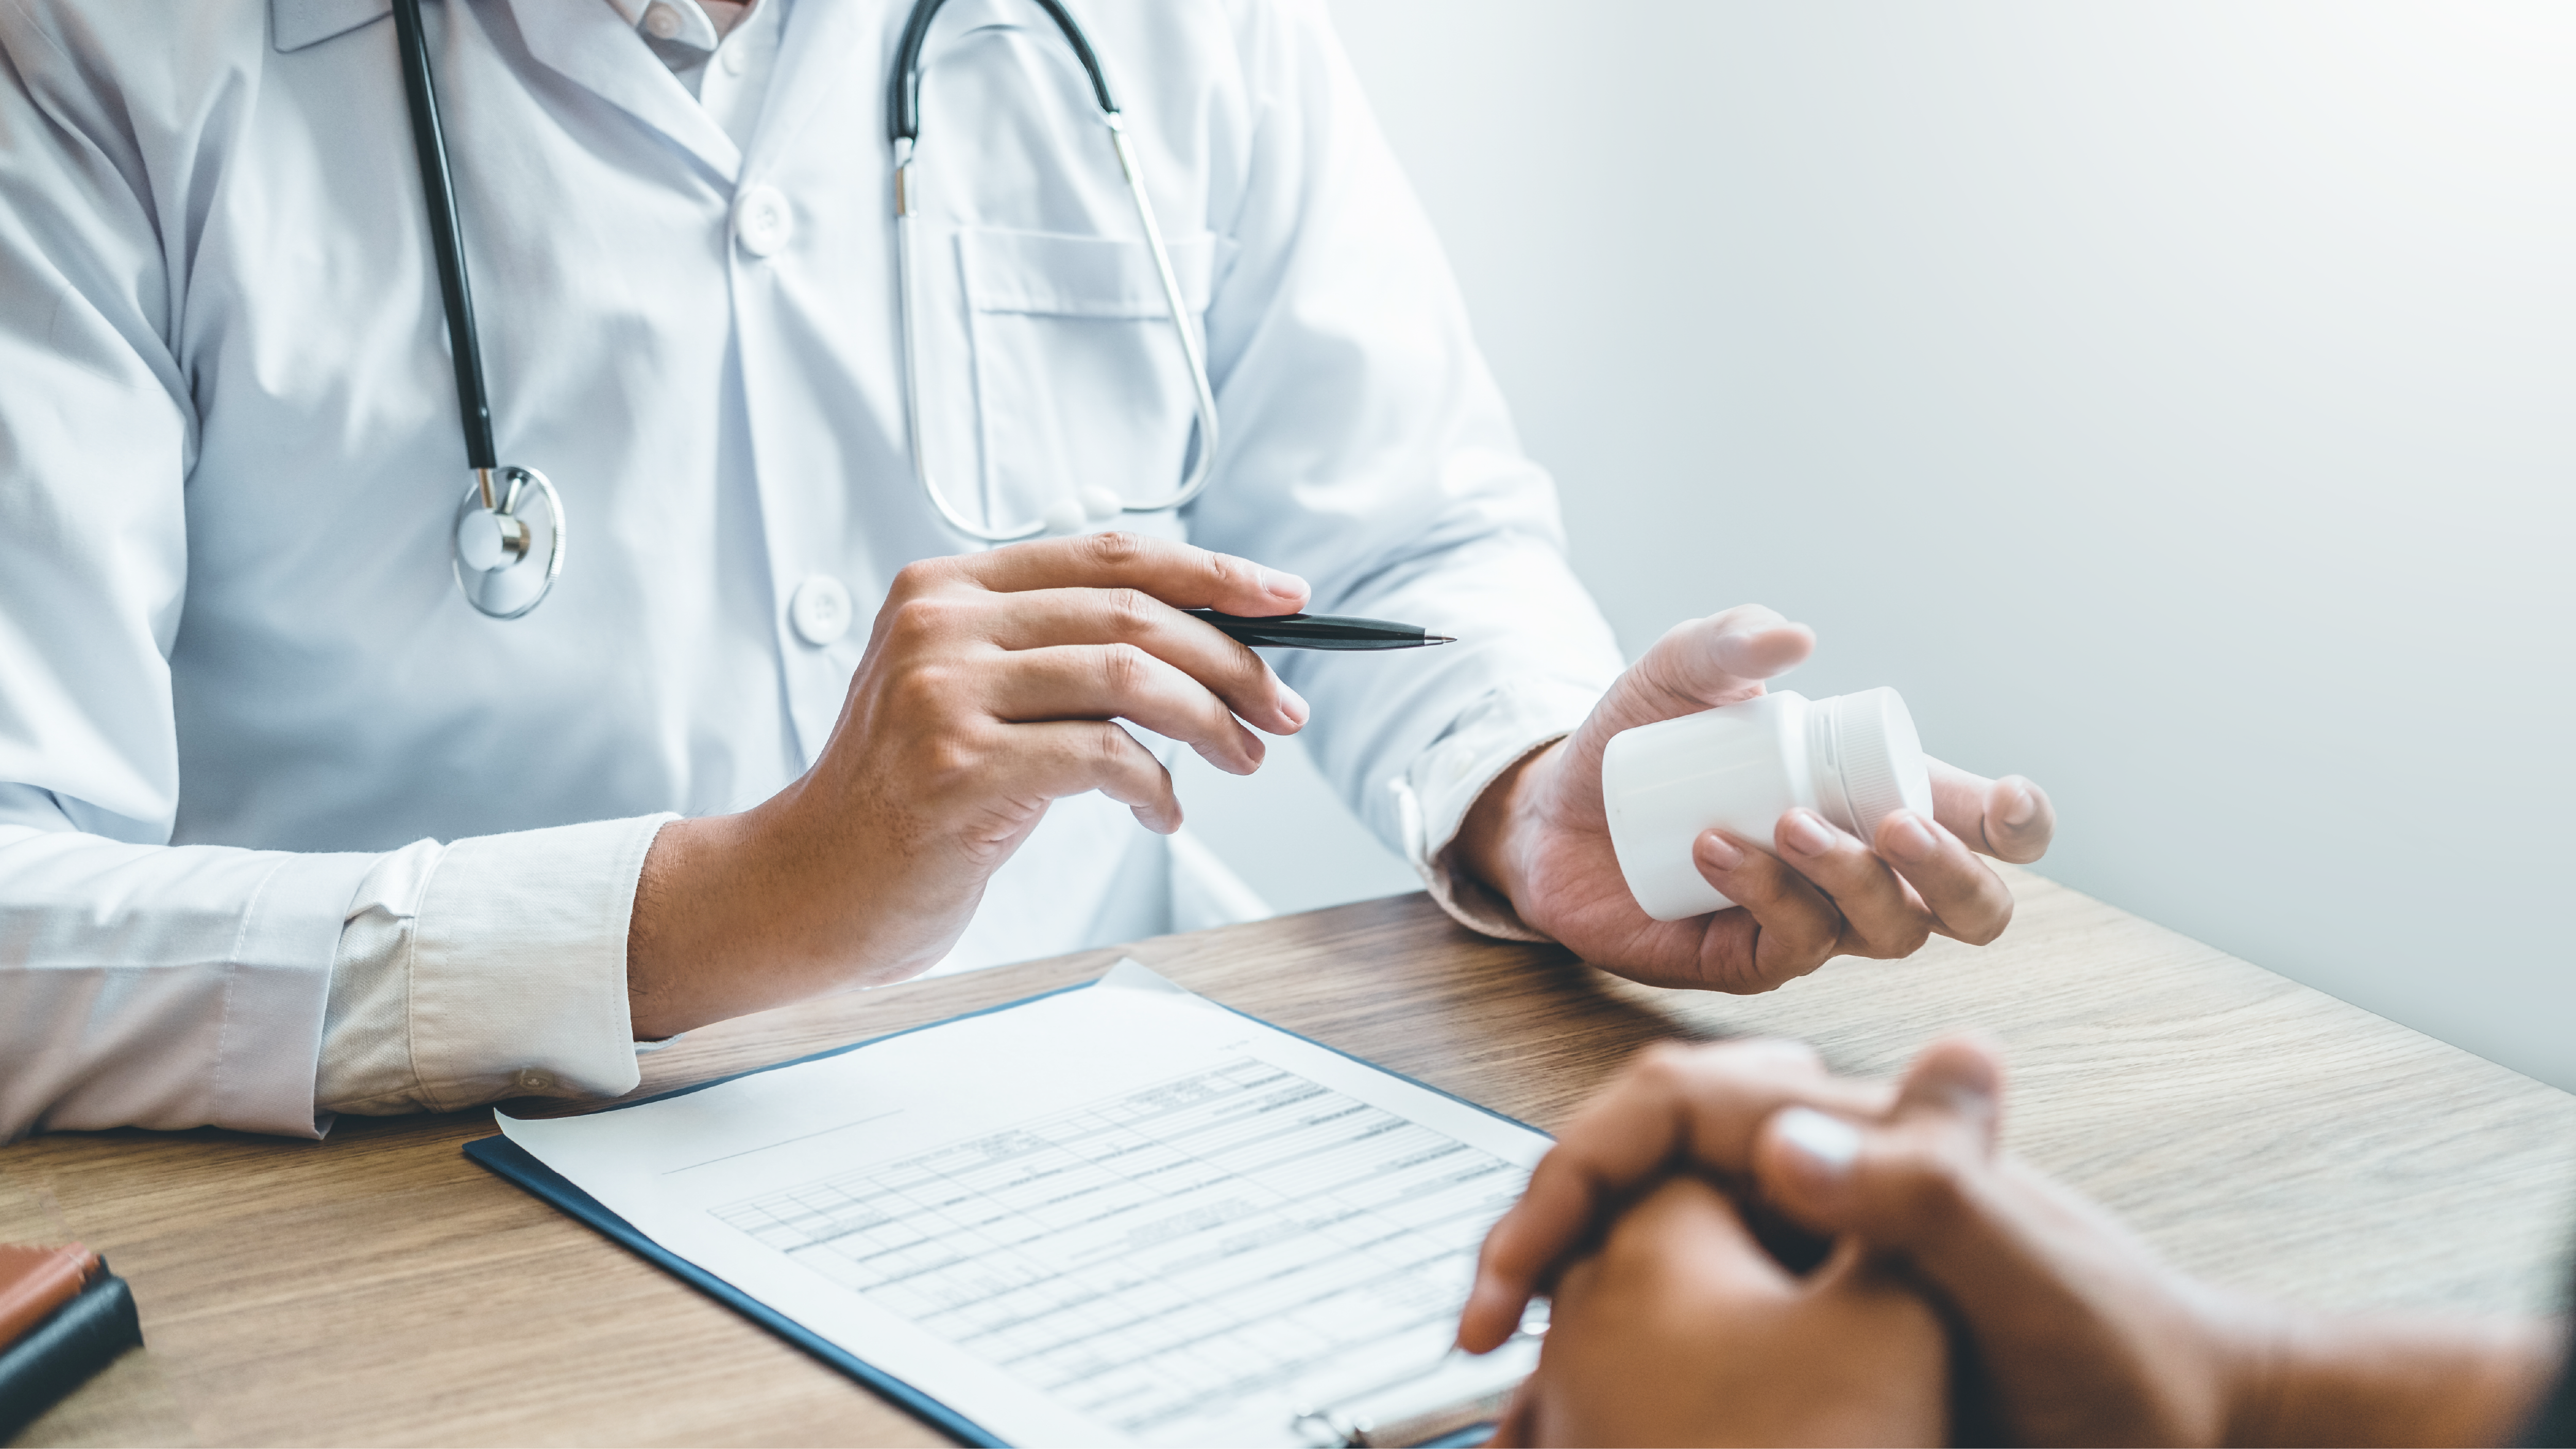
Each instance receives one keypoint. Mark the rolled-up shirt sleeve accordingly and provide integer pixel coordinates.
(493, 967)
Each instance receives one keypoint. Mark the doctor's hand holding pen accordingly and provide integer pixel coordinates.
(989, 689)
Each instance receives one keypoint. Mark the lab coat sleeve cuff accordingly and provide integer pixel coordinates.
(274, 995)
(1433, 797)
(518, 971)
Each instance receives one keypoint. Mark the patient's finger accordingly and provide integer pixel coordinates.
(1674, 1106)
(1920, 1179)
(1685, 1237)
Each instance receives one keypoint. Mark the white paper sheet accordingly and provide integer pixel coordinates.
(1117, 1215)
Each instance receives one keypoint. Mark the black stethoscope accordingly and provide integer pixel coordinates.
(511, 517)
(501, 525)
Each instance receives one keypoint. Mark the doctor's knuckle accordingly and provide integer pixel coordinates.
(950, 754)
(1115, 551)
(1124, 669)
(1244, 670)
(1223, 570)
(1111, 750)
(924, 690)
(926, 618)
(919, 577)
(1130, 612)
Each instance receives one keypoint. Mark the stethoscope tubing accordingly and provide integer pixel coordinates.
(903, 98)
(473, 394)
(447, 244)
(903, 122)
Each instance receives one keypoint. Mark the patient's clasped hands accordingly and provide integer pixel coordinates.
(1964, 1292)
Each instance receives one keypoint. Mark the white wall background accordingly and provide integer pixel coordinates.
(2177, 402)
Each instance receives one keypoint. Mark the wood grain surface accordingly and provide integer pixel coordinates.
(378, 1288)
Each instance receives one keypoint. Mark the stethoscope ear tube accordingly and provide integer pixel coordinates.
(903, 98)
(491, 537)
(903, 123)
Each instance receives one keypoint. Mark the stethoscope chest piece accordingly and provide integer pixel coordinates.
(509, 538)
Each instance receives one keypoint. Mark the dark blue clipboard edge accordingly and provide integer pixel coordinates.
(513, 1163)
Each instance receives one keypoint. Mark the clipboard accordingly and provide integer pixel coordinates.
(511, 1161)
(1384, 1416)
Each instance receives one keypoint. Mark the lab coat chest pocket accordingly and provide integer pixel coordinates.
(1078, 380)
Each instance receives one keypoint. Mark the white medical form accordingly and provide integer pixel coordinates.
(1119, 1214)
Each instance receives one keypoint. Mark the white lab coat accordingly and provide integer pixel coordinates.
(237, 679)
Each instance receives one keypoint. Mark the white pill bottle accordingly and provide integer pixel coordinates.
(1853, 759)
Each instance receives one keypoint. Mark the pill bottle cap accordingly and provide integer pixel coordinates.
(1881, 758)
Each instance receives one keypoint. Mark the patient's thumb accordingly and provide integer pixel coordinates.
(1906, 1180)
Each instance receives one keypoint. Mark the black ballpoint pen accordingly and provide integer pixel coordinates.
(1319, 631)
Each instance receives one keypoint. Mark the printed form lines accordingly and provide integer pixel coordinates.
(1155, 1255)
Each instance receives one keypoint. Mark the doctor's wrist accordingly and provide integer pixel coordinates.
(708, 940)
(742, 913)
(670, 925)
(1492, 841)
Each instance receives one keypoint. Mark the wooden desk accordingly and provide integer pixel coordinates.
(378, 1288)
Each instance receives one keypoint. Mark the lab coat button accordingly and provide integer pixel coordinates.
(732, 59)
(662, 22)
(820, 610)
(762, 221)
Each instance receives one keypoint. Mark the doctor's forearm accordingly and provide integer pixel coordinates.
(715, 929)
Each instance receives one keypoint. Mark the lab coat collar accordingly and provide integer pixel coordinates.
(295, 24)
(593, 45)
(829, 44)
(826, 46)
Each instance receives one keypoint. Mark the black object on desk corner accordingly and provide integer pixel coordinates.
(1319, 631)
(61, 1353)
